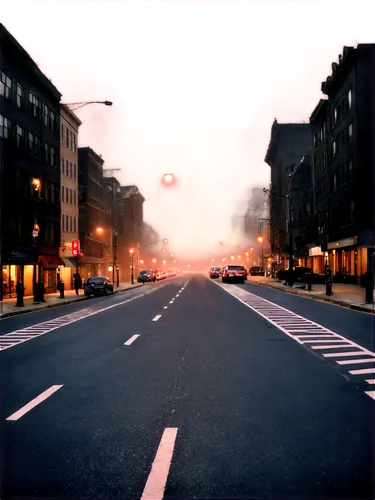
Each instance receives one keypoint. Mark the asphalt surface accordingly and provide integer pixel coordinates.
(257, 414)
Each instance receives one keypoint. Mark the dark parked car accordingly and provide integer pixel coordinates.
(146, 276)
(298, 273)
(214, 272)
(98, 285)
(255, 271)
(234, 273)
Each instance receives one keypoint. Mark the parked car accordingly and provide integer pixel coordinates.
(98, 285)
(214, 272)
(255, 271)
(234, 273)
(298, 273)
(146, 276)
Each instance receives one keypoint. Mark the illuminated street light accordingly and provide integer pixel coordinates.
(85, 103)
(154, 260)
(131, 251)
(260, 239)
(169, 180)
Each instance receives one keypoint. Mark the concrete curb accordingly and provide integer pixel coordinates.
(25, 310)
(321, 299)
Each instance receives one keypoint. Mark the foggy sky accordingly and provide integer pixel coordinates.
(196, 86)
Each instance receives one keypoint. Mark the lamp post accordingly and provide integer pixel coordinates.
(260, 239)
(132, 274)
(85, 103)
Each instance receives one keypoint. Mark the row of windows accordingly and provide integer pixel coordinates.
(321, 160)
(68, 223)
(341, 109)
(17, 93)
(342, 174)
(320, 135)
(27, 141)
(67, 168)
(68, 195)
(68, 138)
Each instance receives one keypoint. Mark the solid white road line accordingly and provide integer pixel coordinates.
(131, 340)
(371, 381)
(34, 402)
(371, 394)
(355, 361)
(361, 372)
(157, 479)
(157, 317)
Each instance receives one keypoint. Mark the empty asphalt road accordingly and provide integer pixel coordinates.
(188, 388)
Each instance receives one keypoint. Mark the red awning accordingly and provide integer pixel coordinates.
(51, 261)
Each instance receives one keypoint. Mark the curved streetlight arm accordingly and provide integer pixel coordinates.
(85, 103)
(152, 243)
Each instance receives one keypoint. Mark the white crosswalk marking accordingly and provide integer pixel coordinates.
(306, 332)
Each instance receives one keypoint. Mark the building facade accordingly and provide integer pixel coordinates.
(29, 171)
(91, 213)
(69, 125)
(343, 154)
(289, 141)
(130, 229)
(112, 197)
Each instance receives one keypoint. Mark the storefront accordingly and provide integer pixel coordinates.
(66, 272)
(51, 265)
(18, 265)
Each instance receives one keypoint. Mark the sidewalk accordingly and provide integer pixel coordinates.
(8, 306)
(352, 296)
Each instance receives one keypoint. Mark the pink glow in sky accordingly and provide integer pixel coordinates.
(195, 87)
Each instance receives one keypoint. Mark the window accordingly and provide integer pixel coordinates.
(20, 137)
(52, 121)
(342, 141)
(46, 152)
(31, 142)
(67, 137)
(332, 182)
(350, 169)
(63, 133)
(62, 193)
(350, 132)
(75, 223)
(71, 197)
(46, 191)
(71, 140)
(325, 159)
(325, 129)
(71, 170)
(52, 156)
(74, 148)
(36, 146)
(335, 117)
(75, 171)
(62, 222)
(66, 222)
(334, 148)
(66, 195)
(66, 167)
(350, 98)
(71, 224)
(75, 197)
(5, 85)
(35, 106)
(46, 115)
(52, 192)
(3, 127)
(20, 96)
(62, 165)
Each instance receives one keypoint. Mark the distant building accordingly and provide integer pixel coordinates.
(91, 213)
(130, 227)
(289, 141)
(29, 171)
(343, 156)
(112, 200)
(69, 125)
(150, 255)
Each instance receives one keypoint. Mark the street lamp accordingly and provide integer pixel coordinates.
(132, 274)
(85, 103)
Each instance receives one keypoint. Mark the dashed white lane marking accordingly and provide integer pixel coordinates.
(371, 381)
(157, 479)
(171, 302)
(304, 331)
(157, 317)
(131, 340)
(23, 335)
(177, 295)
(371, 394)
(165, 307)
(34, 402)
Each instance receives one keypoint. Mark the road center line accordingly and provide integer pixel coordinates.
(157, 479)
(34, 402)
(131, 340)
(158, 316)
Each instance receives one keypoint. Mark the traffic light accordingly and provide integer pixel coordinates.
(75, 247)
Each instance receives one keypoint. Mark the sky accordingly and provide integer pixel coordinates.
(195, 87)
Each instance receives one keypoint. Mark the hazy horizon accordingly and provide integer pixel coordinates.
(195, 87)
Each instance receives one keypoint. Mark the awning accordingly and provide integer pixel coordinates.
(51, 261)
(68, 262)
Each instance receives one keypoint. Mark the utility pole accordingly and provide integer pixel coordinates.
(291, 260)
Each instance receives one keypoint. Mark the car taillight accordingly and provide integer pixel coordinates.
(226, 273)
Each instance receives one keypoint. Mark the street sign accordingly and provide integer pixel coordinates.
(75, 247)
(35, 233)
